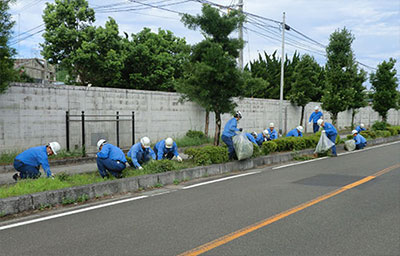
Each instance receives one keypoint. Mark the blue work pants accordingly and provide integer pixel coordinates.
(361, 145)
(26, 171)
(231, 150)
(315, 127)
(168, 155)
(333, 139)
(112, 166)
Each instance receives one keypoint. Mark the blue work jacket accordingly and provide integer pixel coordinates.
(359, 139)
(359, 129)
(35, 157)
(294, 133)
(251, 138)
(230, 128)
(315, 116)
(260, 139)
(273, 134)
(330, 130)
(161, 149)
(112, 152)
(137, 148)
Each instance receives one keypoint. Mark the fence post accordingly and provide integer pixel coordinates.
(117, 128)
(67, 128)
(83, 134)
(133, 127)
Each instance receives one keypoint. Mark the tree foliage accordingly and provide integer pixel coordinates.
(341, 73)
(360, 96)
(211, 77)
(384, 83)
(6, 52)
(306, 78)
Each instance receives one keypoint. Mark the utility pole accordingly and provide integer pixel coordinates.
(240, 4)
(282, 75)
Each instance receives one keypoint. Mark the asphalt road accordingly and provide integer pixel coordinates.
(361, 219)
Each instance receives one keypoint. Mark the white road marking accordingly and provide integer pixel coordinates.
(222, 179)
(341, 154)
(71, 212)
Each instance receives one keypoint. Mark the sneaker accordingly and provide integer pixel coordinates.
(16, 177)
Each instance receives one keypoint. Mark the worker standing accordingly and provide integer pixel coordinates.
(230, 130)
(315, 116)
(360, 141)
(273, 134)
(330, 132)
(167, 149)
(28, 162)
(296, 132)
(141, 153)
(110, 159)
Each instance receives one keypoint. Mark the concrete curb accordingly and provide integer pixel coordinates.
(13, 205)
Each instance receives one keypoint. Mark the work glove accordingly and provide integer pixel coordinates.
(179, 158)
(52, 176)
(240, 129)
(140, 168)
(323, 131)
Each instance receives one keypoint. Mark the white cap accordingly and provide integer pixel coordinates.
(55, 146)
(354, 132)
(169, 142)
(300, 128)
(316, 108)
(320, 121)
(100, 142)
(271, 125)
(265, 132)
(362, 125)
(145, 141)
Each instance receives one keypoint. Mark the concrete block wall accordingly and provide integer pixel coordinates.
(34, 114)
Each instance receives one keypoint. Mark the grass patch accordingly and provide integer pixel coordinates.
(189, 141)
(303, 157)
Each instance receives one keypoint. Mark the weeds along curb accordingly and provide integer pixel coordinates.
(13, 205)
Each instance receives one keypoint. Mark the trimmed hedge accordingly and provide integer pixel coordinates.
(269, 147)
(208, 155)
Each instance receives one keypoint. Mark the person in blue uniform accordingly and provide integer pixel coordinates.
(230, 130)
(167, 149)
(315, 116)
(28, 162)
(360, 141)
(141, 153)
(296, 132)
(330, 132)
(252, 137)
(273, 134)
(110, 159)
(360, 128)
(262, 137)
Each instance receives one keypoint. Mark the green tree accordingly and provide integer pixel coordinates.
(360, 96)
(306, 76)
(154, 61)
(341, 73)
(68, 29)
(384, 84)
(253, 86)
(211, 77)
(6, 52)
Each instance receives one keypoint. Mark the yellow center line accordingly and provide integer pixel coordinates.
(241, 232)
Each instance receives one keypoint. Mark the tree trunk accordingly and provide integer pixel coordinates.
(353, 114)
(334, 118)
(217, 128)
(207, 123)
(302, 115)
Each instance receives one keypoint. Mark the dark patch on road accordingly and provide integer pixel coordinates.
(330, 180)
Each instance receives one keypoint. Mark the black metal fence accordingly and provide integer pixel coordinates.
(82, 118)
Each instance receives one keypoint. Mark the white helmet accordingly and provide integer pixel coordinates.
(271, 125)
(362, 125)
(300, 128)
(316, 108)
(320, 121)
(100, 142)
(254, 134)
(354, 132)
(169, 142)
(55, 146)
(265, 132)
(145, 141)
(238, 114)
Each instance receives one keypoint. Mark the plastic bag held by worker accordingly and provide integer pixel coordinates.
(350, 145)
(324, 144)
(243, 147)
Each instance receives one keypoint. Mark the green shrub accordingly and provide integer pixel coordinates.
(311, 141)
(195, 134)
(380, 126)
(281, 143)
(380, 133)
(349, 137)
(256, 151)
(368, 134)
(394, 130)
(269, 147)
(299, 143)
(164, 165)
(208, 155)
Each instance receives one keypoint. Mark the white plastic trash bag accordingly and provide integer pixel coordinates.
(324, 144)
(350, 145)
(243, 147)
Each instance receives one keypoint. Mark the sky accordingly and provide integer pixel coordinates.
(375, 25)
